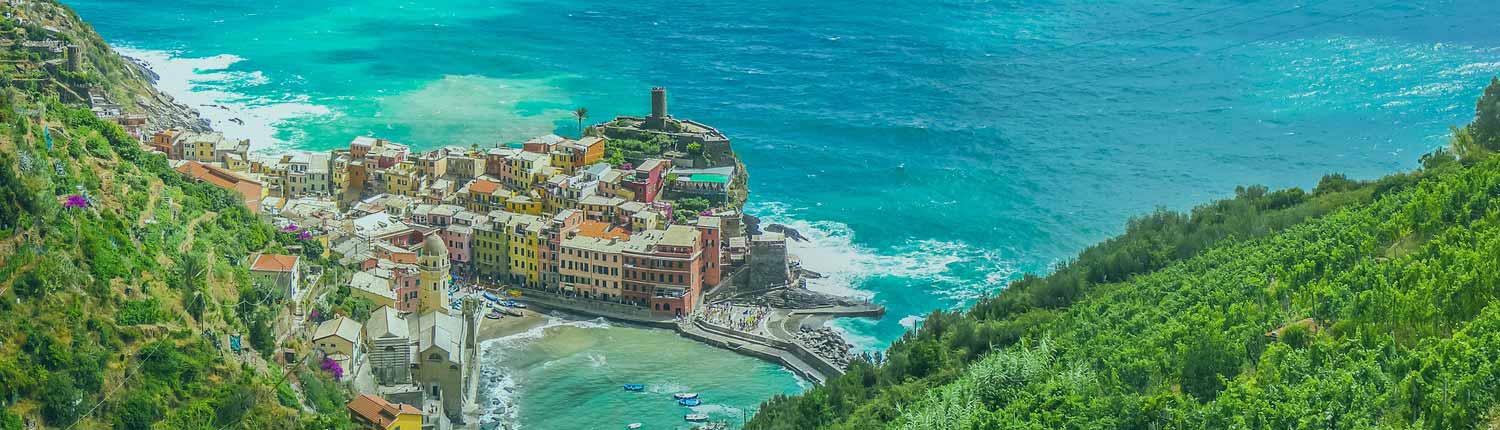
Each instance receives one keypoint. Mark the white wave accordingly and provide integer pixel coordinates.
(209, 85)
(500, 384)
(956, 271)
(667, 388)
(717, 410)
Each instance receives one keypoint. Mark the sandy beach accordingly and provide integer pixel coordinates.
(509, 325)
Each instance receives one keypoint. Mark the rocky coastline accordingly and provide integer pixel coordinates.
(162, 111)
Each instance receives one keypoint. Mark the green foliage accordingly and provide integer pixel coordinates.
(1208, 361)
(72, 336)
(619, 151)
(1165, 325)
(134, 312)
(691, 206)
(323, 394)
(61, 400)
(9, 421)
(1486, 126)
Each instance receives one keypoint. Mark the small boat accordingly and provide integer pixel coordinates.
(689, 402)
(511, 312)
(635, 387)
(491, 296)
(685, 396)
(494, 315)
(695, 417)
(633, 426)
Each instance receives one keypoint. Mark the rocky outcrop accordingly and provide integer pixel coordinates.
(790, 233)
(161, 110)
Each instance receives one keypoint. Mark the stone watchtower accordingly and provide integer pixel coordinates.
(659, 116)
(75, 58)
(432, 262)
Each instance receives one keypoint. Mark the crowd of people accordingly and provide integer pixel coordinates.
(743, 318)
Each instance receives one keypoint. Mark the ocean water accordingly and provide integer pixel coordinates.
(569, 373)
(933, 150)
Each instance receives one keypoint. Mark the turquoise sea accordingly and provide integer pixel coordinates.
(933, 150)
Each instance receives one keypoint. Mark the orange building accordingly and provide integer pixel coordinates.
(251, 190)
(373, 413)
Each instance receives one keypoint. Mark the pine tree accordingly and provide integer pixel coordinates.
(1486, 126)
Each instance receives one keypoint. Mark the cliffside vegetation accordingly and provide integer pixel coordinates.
(1381, 296)
(120, 279)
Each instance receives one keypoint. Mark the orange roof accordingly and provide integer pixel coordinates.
(379, 411)
(601, 230)
(481, 186)
(274, 263)
(225, 179)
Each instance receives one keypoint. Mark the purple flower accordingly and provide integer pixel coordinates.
(290, 228)
(305, 235)
(77, 201)
(333, 366)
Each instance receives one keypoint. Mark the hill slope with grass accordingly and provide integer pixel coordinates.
(120, 280)
(1358, 305)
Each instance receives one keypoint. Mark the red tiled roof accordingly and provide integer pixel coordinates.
(274, 263)
(379, 411)
(480, 186)
(601, 230)
(225, 179)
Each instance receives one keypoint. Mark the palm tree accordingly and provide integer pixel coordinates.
(580, 114)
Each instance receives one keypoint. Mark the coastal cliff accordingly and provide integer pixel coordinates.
(1357, 304)
(68, 58)
(124, 298)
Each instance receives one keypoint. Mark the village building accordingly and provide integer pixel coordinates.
(340, 339)
(280, 271)
(249, 190)
(389, 343)
(369, 412)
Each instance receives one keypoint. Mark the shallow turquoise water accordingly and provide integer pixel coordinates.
(933, 150)
(570, 375)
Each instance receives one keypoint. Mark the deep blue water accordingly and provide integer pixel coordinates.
(933, 149)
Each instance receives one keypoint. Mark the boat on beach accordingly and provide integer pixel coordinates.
(685, 396)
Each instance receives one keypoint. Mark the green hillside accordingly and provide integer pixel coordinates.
(117, 314)
(1382, 295)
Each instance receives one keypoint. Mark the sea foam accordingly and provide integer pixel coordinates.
(218, 92)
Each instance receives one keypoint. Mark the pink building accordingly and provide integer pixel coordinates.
(646, 180)
(405, 281)
(459, 239)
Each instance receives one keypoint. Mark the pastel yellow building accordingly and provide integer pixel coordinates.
(432, 276)
(524, 238)
(524, 205)
(401, 180)
(369, 412)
